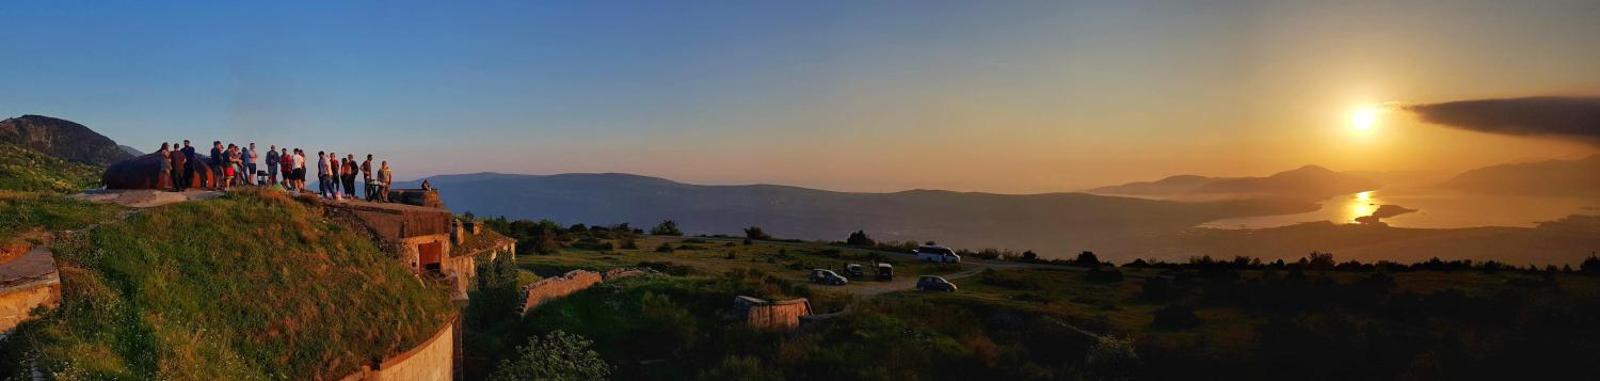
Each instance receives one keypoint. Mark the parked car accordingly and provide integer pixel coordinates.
(934, 283)
(885, 272)
(854, 271)
(825, 276)
(939, 254)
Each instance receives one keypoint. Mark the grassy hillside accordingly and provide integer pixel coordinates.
(249, 286)
(23, 169)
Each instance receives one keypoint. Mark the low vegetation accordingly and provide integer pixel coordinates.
(1068, 319)
(26, 170)
(249, 286)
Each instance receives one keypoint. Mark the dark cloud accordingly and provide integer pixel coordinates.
(1576, 118)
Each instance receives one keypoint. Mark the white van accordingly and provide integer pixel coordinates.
(939, 254)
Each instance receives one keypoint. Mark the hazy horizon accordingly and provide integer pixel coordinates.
(992, 97)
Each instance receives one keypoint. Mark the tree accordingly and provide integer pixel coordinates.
(1087, 259)
(754, 232)
(667, 227)
(556, 356)
(860, 238)
(1591, 265)
(1030, 256)
(1320, 261)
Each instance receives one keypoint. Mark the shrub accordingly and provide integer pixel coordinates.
(664, 248)
(860, 238)
(556, 356)
(1087, 259)
(1112, 358)
(667, 227)
(754, 232)
(630, 244)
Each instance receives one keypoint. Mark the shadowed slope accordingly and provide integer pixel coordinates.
(250, 286)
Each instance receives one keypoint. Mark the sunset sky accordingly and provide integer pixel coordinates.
(1012, 97)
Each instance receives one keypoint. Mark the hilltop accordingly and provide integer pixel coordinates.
(61, 138)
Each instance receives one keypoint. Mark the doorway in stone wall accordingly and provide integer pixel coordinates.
(431, 255)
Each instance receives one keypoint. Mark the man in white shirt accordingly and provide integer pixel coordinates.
(323, 185)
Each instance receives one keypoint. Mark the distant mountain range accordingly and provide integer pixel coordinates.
(1055, 222)
(61, 138)
(1309, 182)
(1566, 178)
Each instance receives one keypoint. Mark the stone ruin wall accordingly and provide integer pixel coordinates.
(549, 289)
(784, 315)
(433, 360)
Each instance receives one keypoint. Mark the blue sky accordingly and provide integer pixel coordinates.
(993, 96)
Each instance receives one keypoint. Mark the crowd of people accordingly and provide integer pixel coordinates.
(235, 165)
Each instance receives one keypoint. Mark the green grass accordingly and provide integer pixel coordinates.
(23, 215)
(23, 169)
(247, 287)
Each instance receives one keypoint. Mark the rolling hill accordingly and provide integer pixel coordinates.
(61, 138)
(1568, 178)
(1052, 222)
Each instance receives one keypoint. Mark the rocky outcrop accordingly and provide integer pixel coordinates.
(61, 138)
(762, 314)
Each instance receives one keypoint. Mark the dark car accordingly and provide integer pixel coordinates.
(825, 276)
(854, 271)
(933, 283)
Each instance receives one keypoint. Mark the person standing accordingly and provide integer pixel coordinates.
(333, 174)
(350, 171)
(180, 178)
(272, 164)
(164, 178)
(322, 174)
(366, 178)
(384, 177)
(188, 167)
(249, 155)
(217, 160)
(299, 164)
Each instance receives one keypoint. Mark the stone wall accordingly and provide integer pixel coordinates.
(783, 314)
(16, 302)
(433, 360)
(549, 289)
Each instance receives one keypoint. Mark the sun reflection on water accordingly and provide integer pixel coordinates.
(1362, 205)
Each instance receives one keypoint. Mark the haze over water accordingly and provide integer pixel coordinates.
(1435, 209)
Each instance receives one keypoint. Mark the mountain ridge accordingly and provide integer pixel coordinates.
(61, 138)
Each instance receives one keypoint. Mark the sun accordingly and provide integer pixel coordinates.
(1364, 119)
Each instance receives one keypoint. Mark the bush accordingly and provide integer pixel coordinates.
(667, 227)
(1112, 358)
(630, 244)
(664, 248)
(556, 356)
(1087, 259)
(860, 238)
(754, 232)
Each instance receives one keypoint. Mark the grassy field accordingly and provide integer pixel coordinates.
(23, 169)
(1022, 322)
(252, 286)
